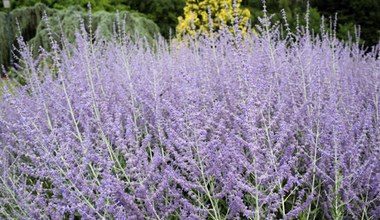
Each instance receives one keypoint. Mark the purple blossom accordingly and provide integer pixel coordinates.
(269, 128)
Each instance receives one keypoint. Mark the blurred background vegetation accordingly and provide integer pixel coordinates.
(147, 17)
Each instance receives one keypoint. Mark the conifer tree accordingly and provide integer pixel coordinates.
(197, 14)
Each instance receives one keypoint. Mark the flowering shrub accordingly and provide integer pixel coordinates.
(261, 128)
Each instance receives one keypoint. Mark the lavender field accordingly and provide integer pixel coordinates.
(219, 127)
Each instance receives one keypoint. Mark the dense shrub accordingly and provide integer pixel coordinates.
(209, 15)
(213, 129)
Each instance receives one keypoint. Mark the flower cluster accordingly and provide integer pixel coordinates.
(215, 128)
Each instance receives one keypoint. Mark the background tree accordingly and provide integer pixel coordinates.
(365, 13)
(96, 5)
(196, 15)
(163, 12)
(35, 31)
(295, 12)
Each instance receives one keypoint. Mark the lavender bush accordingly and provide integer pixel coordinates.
(214, 128)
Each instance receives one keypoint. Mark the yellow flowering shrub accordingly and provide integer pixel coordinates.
(196, 16)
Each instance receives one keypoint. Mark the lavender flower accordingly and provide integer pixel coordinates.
(260, 127)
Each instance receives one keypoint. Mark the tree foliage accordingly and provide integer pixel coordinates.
(66, 22)
(350, 13)
(197, 15)
(365, 13)
(24, 22)
(163, 12)
(295, 11)
(96, 5)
